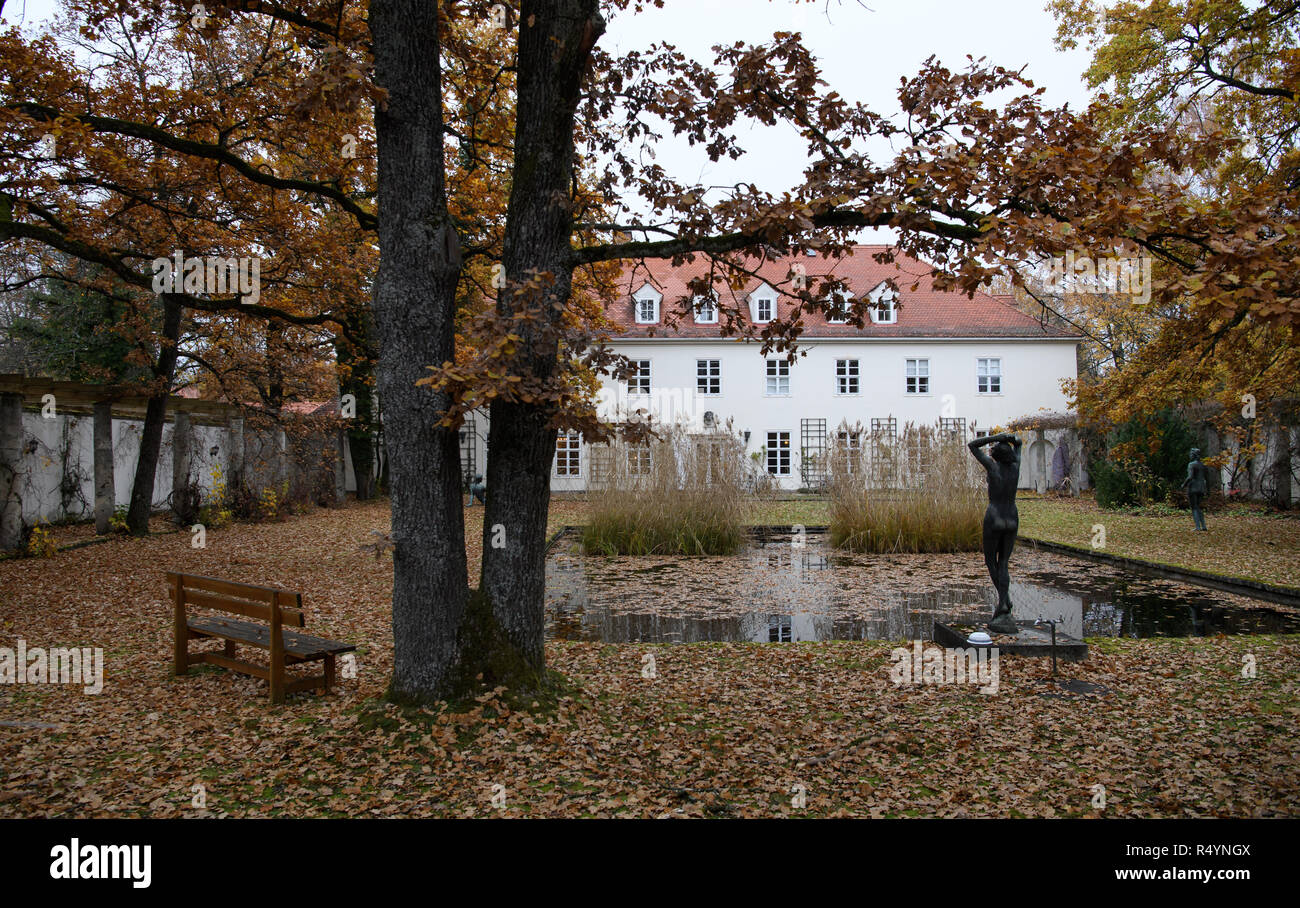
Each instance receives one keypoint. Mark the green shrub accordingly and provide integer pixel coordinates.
(1114, 487)
(682, 494)
(1145, 460)
(921, 493)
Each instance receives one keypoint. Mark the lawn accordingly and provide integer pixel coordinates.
(720, 730)
(1244, 542)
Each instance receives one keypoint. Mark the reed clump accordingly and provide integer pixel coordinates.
(679, 494)
(916, 493)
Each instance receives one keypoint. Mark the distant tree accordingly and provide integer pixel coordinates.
(81, 333)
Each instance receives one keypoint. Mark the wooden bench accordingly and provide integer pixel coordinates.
(275, 607)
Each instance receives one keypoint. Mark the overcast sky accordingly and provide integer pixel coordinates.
(865, 48)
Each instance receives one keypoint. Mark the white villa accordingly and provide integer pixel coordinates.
(975, 363)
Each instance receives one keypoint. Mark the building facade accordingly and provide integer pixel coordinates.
(920, 356)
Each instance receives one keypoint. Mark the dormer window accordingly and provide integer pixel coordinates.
(763, 301)
(646, 304)
(706, 310)
(838, 314)
(884, 309)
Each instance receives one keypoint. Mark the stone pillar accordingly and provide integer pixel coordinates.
(1280, 458)
(340, 466)
(182, 455)
(1294, 434)
(11, 457)
(105, 492)
(235, 455)
(281, 458)
(1078, 468)
(1040, 438)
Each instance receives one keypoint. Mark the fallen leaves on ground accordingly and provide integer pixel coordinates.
(720, 730)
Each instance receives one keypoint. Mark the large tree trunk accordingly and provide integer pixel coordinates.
(155, 415)
(555, 42)
(414, 307)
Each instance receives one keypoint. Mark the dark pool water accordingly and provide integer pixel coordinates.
(780, 591)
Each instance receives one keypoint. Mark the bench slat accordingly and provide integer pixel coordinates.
(302, 646)
(226, 604)
(225, 587)
(238, 598)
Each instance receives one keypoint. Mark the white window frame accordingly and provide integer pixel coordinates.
(848, 378)
(851, 446)
(915, 381)
(709, 303)
(845, 302)
(712, 374)
(647, 294)
(986, 376)
(573, 456)
(640, 460)
(775, 452)
(639, 382)
(775, 372)
(764, 294)
(890, 315)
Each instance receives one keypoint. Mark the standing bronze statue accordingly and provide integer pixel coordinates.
(1197, 484)
(1001, 520)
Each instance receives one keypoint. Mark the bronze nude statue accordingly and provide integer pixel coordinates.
(1197, 485)
(1001, 520)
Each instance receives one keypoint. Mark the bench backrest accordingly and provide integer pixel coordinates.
(236, 598)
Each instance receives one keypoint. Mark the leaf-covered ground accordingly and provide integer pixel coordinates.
(720, 730)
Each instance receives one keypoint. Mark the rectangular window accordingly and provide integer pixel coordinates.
(706, 310)
(778, 453)
(638, 460)
(846, 376)
(638, 380)
(710, 453)
(989, 373)
(778, 377)
(568, 454)
(708, 376)
(918, 376)
(780, 628)
(887, 313)
(647, 311)
(764, 307)
(850, 450)
(838, 314)
(600, 466)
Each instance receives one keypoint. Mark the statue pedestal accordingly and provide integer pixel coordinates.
(1004, 624)
(1027, 641)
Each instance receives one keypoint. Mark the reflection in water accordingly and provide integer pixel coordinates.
(776, 592)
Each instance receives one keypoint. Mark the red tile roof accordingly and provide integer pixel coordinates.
(922, 312)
